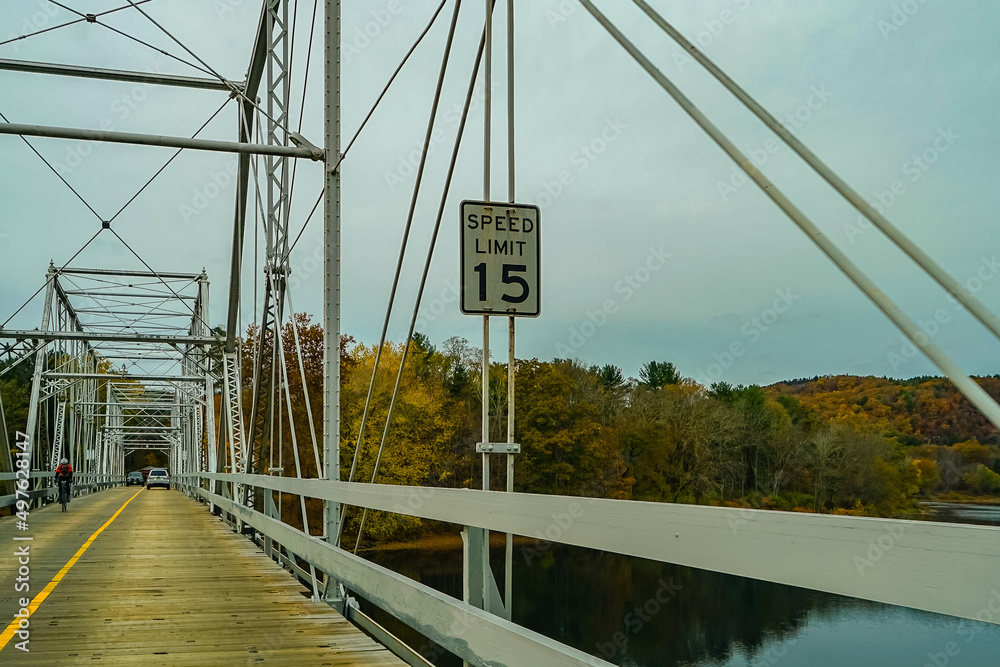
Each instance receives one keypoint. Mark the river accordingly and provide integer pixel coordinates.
(639, 613)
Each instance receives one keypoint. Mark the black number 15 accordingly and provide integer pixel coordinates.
(507, 279)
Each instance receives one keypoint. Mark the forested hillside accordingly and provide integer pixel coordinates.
(859, 445)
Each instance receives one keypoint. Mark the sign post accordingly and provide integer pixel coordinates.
(500, 277)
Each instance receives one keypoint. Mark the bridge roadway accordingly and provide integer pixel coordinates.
(164, 583)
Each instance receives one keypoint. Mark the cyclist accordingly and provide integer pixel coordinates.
(64, 477)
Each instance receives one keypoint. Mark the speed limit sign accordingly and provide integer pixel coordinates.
(501, 259)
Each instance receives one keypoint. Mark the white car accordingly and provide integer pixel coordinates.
(158, 477)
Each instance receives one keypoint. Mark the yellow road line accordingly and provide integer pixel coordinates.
(8, 634)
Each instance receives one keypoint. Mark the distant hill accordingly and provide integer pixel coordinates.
(916, 411)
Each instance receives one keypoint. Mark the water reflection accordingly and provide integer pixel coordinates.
(638, 613)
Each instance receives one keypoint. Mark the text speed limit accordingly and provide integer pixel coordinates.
(500, 259)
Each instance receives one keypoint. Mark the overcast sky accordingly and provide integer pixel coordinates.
(651, 247)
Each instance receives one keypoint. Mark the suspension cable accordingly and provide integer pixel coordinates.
(73, 22)
(56, 172)
(305, 387)
(305, 85)
(128, 36)
(167, 163)
(46, 283)
(922, 259)
(406, 234)
(371, 111)
(966, 385)
(295, 442)
(430, 253)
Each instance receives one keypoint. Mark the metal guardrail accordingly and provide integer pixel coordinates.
(82, 482)
(942, 568)
(472, 634)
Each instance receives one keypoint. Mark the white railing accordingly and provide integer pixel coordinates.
(81, 482)
(942, 568)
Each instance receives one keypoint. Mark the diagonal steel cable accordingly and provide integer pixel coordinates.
(235, 90)
(369, 115)
(965, 384)
(427, 262)
(73, 22)
(914, 252)
(435, 104)
(167, 163)
(157, 275)
(56, 172)
(133, 38)
(46, 283)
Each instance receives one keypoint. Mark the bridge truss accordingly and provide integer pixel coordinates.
(127, 361)
(121, 363)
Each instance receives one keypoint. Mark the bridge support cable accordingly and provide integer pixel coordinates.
(305, 386)
(87, 18)
(399, 266)
(425, 149)
(74, 22)
(368, 116)
(167, 163)
(914, 252)
(508, 596)
(56, 172)
(295, 451)
(966, 385)
(272, 8)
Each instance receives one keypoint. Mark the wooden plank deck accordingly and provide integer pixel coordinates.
(166, 583)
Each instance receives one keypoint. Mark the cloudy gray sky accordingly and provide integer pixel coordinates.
(652, 248)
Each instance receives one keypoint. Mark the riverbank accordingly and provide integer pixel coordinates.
(442, 543)
(962, 499)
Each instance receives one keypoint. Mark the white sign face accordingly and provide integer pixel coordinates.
(501, 259)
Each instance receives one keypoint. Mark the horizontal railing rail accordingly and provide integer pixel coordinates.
(475, 635)
(81, 482)
(938, 567)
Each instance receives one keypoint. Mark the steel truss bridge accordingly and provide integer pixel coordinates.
(124, 361)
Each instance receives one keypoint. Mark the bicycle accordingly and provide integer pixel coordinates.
(64, 493)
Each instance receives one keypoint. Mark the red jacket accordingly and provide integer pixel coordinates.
(64, 470)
